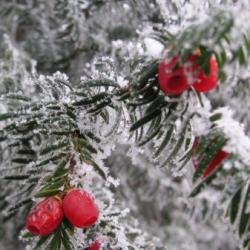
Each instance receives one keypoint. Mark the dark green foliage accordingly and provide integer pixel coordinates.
(207, 152)
(206, 149)
(238, 213)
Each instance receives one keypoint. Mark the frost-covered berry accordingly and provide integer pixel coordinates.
(172, 78)
(80, 208)
(215, 163)
(45, 217)
(202, 82)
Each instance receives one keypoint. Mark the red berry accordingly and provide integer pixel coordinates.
(80, 208)
(172, 79)
(215, 162)
(95, 245)
(175, 79)
(202, 82)
(45, 217)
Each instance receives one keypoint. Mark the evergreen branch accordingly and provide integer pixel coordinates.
(238, 214)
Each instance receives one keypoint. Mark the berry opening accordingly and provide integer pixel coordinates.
(177, 84)
(175, 81)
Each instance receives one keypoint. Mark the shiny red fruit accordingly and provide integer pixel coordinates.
(215, 162)
(172, 79)
(202, 82)
(80, 208)
(96, 245)
(45, 217)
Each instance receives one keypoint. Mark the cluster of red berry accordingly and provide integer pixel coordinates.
(77, 206)
(175, 78)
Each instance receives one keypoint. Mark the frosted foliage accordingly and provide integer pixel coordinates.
(189, 226)
(86, 178)
(56, 57)
(238, 143)
(235, 91)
